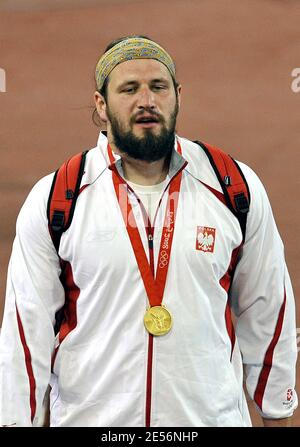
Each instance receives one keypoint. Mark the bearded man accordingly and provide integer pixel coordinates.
(146, 274)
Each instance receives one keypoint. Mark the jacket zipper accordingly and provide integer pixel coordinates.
(150, 233)
(150, 340)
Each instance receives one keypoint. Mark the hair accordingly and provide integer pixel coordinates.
(103, 90)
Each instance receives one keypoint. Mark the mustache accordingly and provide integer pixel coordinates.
(150, 114)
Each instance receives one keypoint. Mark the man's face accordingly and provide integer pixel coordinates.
(141, 109)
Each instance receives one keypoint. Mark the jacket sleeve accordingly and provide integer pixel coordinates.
(34, 294)
(263, 302)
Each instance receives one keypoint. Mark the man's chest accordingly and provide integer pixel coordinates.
(205, 233)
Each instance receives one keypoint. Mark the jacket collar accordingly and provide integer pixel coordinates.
(197, 163)
(176, 163)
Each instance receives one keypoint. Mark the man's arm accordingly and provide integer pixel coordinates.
(34, 294)
(262, 299)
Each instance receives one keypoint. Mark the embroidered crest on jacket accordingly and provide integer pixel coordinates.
(205, 240)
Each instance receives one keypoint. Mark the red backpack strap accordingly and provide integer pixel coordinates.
(63, 196)
(232, 181)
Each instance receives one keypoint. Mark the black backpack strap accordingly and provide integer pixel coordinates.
(63, 196)
(232, 180)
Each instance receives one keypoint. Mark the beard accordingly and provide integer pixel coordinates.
(150, 147)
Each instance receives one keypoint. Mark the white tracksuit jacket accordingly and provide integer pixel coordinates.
(101, 373)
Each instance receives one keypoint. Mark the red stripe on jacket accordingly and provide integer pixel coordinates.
(268, 360)
(225, 283)
(226, 280)
(72, 293)
(28, 363)
(217, 193)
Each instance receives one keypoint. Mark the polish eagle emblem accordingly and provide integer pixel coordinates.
(205, 239)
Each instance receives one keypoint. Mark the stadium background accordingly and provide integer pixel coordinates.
(234, 58)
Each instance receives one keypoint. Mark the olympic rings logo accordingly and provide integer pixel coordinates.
(164, 259)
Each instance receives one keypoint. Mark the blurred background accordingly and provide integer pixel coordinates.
(235, 60)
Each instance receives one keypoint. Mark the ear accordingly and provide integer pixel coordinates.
(100, 106)
(179, 89)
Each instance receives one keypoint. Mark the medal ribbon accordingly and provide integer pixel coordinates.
(154, 286)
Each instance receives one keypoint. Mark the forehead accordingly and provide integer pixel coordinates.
(139, 70)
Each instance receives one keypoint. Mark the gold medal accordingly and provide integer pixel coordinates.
(158, 320)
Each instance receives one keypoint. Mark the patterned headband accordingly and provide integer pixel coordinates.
(131, 48)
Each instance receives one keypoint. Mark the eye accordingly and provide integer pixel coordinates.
(129, 90)
(159, 87)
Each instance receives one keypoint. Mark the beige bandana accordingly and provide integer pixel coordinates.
(132, 48)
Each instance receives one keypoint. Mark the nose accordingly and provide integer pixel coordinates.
(146, 99)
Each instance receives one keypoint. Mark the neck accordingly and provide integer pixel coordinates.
(143, 172)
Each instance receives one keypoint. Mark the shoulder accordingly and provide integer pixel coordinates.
(94, 165)
(198, 165)
(257, 190)
(260, 219)
(40, 190)
(35, 205)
